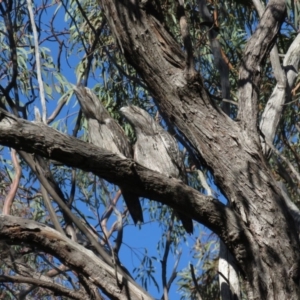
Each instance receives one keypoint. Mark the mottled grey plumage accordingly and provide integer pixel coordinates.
(106, 133)
(156, 149)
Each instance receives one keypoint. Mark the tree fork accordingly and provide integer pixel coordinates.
(159, 60)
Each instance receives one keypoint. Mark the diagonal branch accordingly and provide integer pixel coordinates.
(274, 56)
(14, 186)
(44, 141)
(51, 211)
(18, 230)
(258, 46)
(281, 94)
(54, 287)
(55, 193)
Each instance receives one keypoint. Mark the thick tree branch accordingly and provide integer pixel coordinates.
(56, 288)
(274, 56)
(38, 62)
(258, 46)
(18, 230)
(51, 211)
(281, 94)
(37, 138)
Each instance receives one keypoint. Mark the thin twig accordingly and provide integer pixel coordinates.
(195, 282)
(52, 214)
(114, 256)
(174, 271)
(57, 110)
(165, 257)
(38, 62)
(14, 186)
(291, 167)
(109, 211)
(118, 226)
(56, 288)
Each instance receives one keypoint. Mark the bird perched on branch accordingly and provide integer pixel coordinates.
(156, 149)
(106, 133)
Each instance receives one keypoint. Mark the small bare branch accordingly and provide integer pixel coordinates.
(14, 186)
(56, 288)
(53, 216)
(184, 28)
(110, 209)
(71, 254)
(38, 62)
(57, 110)
(174, 271)
(258, 47)
(281, 94)
(282, 157)
(165, 258)
(118, 226)
(195, 282)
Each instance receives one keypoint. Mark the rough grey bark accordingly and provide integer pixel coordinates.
(254, 55)
(281, 94)
(231, 149)
(274, 56)
(228, 281)
(274, 109)
(286, 78)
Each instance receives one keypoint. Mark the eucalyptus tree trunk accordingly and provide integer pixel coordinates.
(266, 249)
